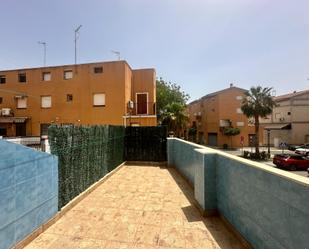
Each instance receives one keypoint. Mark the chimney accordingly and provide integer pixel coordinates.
(231, 85)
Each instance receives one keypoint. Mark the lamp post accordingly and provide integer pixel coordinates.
(268, 142)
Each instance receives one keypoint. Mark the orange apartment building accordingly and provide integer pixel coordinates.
(213, 112)
(83, 94)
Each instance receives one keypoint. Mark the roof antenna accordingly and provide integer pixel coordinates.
(76, 36)
(44, 46)
(117, 53)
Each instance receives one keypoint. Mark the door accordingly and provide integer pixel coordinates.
(212, 139)
(141, 99)
(3, 132)
(20, 129)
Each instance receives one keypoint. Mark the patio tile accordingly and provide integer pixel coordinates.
(139, 207)
(147, 234)
(172, 237)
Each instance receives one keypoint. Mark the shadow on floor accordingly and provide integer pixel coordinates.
(213, 224)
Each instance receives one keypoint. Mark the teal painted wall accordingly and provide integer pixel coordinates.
(269, 208)
(28, 191)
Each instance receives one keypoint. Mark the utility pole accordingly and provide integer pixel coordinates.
(76, 33)
(44, 46)
(117, 53)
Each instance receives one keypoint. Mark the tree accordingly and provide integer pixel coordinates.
(171, 104)
(230, 132)
(258, 103)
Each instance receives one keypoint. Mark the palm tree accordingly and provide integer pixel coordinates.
(258, 103)
(174, 117)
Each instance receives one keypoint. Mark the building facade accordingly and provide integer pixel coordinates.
(289, 122)
(84, 94)
(212, 113)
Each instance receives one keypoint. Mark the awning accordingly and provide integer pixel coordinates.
(13, 119)
(278, 127)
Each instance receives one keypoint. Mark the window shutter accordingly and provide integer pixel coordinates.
(46, 102)
(99, 99)
(22, 103)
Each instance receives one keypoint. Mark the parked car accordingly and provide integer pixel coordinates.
(303, 150)
(293, 147)
(291, 161)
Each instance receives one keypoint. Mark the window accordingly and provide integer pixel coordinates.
(69, 97)
(68, 74)
(46, 76)
(239, 97)
(21, 102)
(141, 103)
(1, 100)
(98, 70)
(99, 99)
(289, 113)
(239, 111)
(46, 101)
(22, 77)
(239, 124)
(2, 79)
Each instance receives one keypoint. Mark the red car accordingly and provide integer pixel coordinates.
(291, 161)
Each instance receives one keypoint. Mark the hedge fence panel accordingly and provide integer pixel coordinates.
(146, 143)
(85, 155)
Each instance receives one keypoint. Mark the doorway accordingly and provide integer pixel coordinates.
(213, 139)
(3, 132)
(20, 129)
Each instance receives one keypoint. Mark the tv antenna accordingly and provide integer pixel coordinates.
(76, 36)
(117, 53)
(44, 56)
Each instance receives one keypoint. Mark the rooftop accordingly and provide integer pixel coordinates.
(210, 95)
(290, 95)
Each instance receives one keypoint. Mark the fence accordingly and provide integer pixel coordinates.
(146, 143)
(85, 155)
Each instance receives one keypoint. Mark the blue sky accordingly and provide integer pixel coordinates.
(202, 45)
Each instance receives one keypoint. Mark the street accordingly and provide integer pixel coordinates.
(273, 151)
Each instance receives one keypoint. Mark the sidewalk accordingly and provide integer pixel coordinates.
(137, 207)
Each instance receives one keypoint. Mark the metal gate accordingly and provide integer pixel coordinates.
(146, 143)
(212, 139)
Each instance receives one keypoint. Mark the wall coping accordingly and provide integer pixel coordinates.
(278, 172)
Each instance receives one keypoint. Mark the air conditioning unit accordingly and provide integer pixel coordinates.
(130, 104)
(6, 112)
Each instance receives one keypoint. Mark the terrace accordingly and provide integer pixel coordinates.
(90, 194)
(137, 207)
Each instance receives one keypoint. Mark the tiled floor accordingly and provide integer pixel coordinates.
(137, 207)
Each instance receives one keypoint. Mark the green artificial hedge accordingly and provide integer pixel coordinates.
(86, 154)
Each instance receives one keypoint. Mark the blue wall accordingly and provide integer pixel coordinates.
(28, 191)
(269, 207)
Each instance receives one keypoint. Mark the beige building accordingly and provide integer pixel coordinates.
(289, 121)
(90, 94)
(216, 111)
